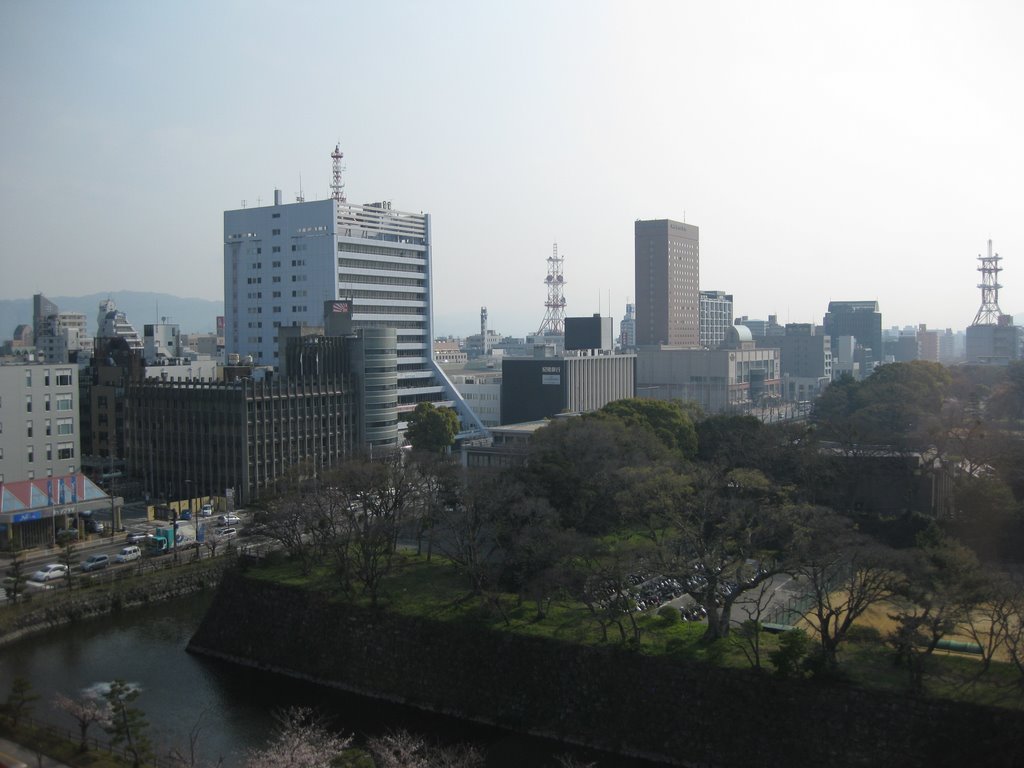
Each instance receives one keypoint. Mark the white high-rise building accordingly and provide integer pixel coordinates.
(39, 421)
(715, 318)
(112, 323)
(283, 261)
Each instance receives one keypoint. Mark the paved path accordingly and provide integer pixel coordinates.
(27, 756)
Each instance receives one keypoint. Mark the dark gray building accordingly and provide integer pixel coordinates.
(589, 333)
(805, 358)
(860, 319)
(667, 272)
(337, 394)
(537, 388)
(994, 344)
(199, 438)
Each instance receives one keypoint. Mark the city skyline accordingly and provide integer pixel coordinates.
(823, 155)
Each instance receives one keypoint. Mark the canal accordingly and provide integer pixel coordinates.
(233, 706)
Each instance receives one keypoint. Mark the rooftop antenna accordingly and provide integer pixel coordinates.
(554, 317)
(338, 186)
(301, 197)
(989, 312)
(483, 329)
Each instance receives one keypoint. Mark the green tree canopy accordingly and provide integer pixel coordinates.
(1007, 397)
(579, 465)
(432, 429)
(729, 440)
(899, 403)
(667, 420)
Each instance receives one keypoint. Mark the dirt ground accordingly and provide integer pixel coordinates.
(877, 616)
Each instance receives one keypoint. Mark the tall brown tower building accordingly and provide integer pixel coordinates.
(667, 269)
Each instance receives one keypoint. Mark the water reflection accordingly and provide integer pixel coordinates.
(232, 706)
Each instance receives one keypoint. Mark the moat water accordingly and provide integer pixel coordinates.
(233, 706)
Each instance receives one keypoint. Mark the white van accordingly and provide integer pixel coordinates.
(127, 554)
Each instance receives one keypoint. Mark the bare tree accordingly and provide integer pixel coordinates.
(372, 502)
(288, 523)
(439, 488)
(398, 749)
(845, 573)
(599, 579)
(87, 709)
(993, 620)
(401, 749)
(68, 558)
(16, 576)
(191, 759)
(301, 740)
(754, 604)
(570, 761)
(724, 535)
(944, 583)
(465, 529)
(1005, 617)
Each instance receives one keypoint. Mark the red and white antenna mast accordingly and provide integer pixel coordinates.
(554, 317)
(338, 186)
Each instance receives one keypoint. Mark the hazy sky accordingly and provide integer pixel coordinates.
(826, 150)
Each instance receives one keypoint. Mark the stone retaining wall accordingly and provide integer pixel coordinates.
(606, 697)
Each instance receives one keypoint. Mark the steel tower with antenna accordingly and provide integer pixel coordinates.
(989, 312)
(554, 317)
(337, 185)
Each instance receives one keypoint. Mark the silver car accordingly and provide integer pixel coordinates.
(50, 572)
(96, 562)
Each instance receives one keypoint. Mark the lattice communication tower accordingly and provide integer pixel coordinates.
(554, 316)
(989, 312)
(337, 185)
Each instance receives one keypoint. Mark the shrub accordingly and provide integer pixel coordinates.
(863, 634)
(793, 646)
(669, 614)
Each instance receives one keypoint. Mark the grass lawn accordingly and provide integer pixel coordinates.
(436, 590)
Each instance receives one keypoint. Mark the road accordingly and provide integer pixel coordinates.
(109, 543)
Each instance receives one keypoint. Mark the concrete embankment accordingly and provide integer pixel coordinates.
(606, 697)
(44, 611)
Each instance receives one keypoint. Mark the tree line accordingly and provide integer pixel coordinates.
(723, 505)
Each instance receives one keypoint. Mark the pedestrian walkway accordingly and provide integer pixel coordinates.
(8, 750)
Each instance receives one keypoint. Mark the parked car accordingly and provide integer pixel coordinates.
(96, 562)
(127, 554)
(8, 761)
(135, 538)
(185, 515)
(229, 519)
(95, 526)
(226, 533)
(49, 572)
(207, 510)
